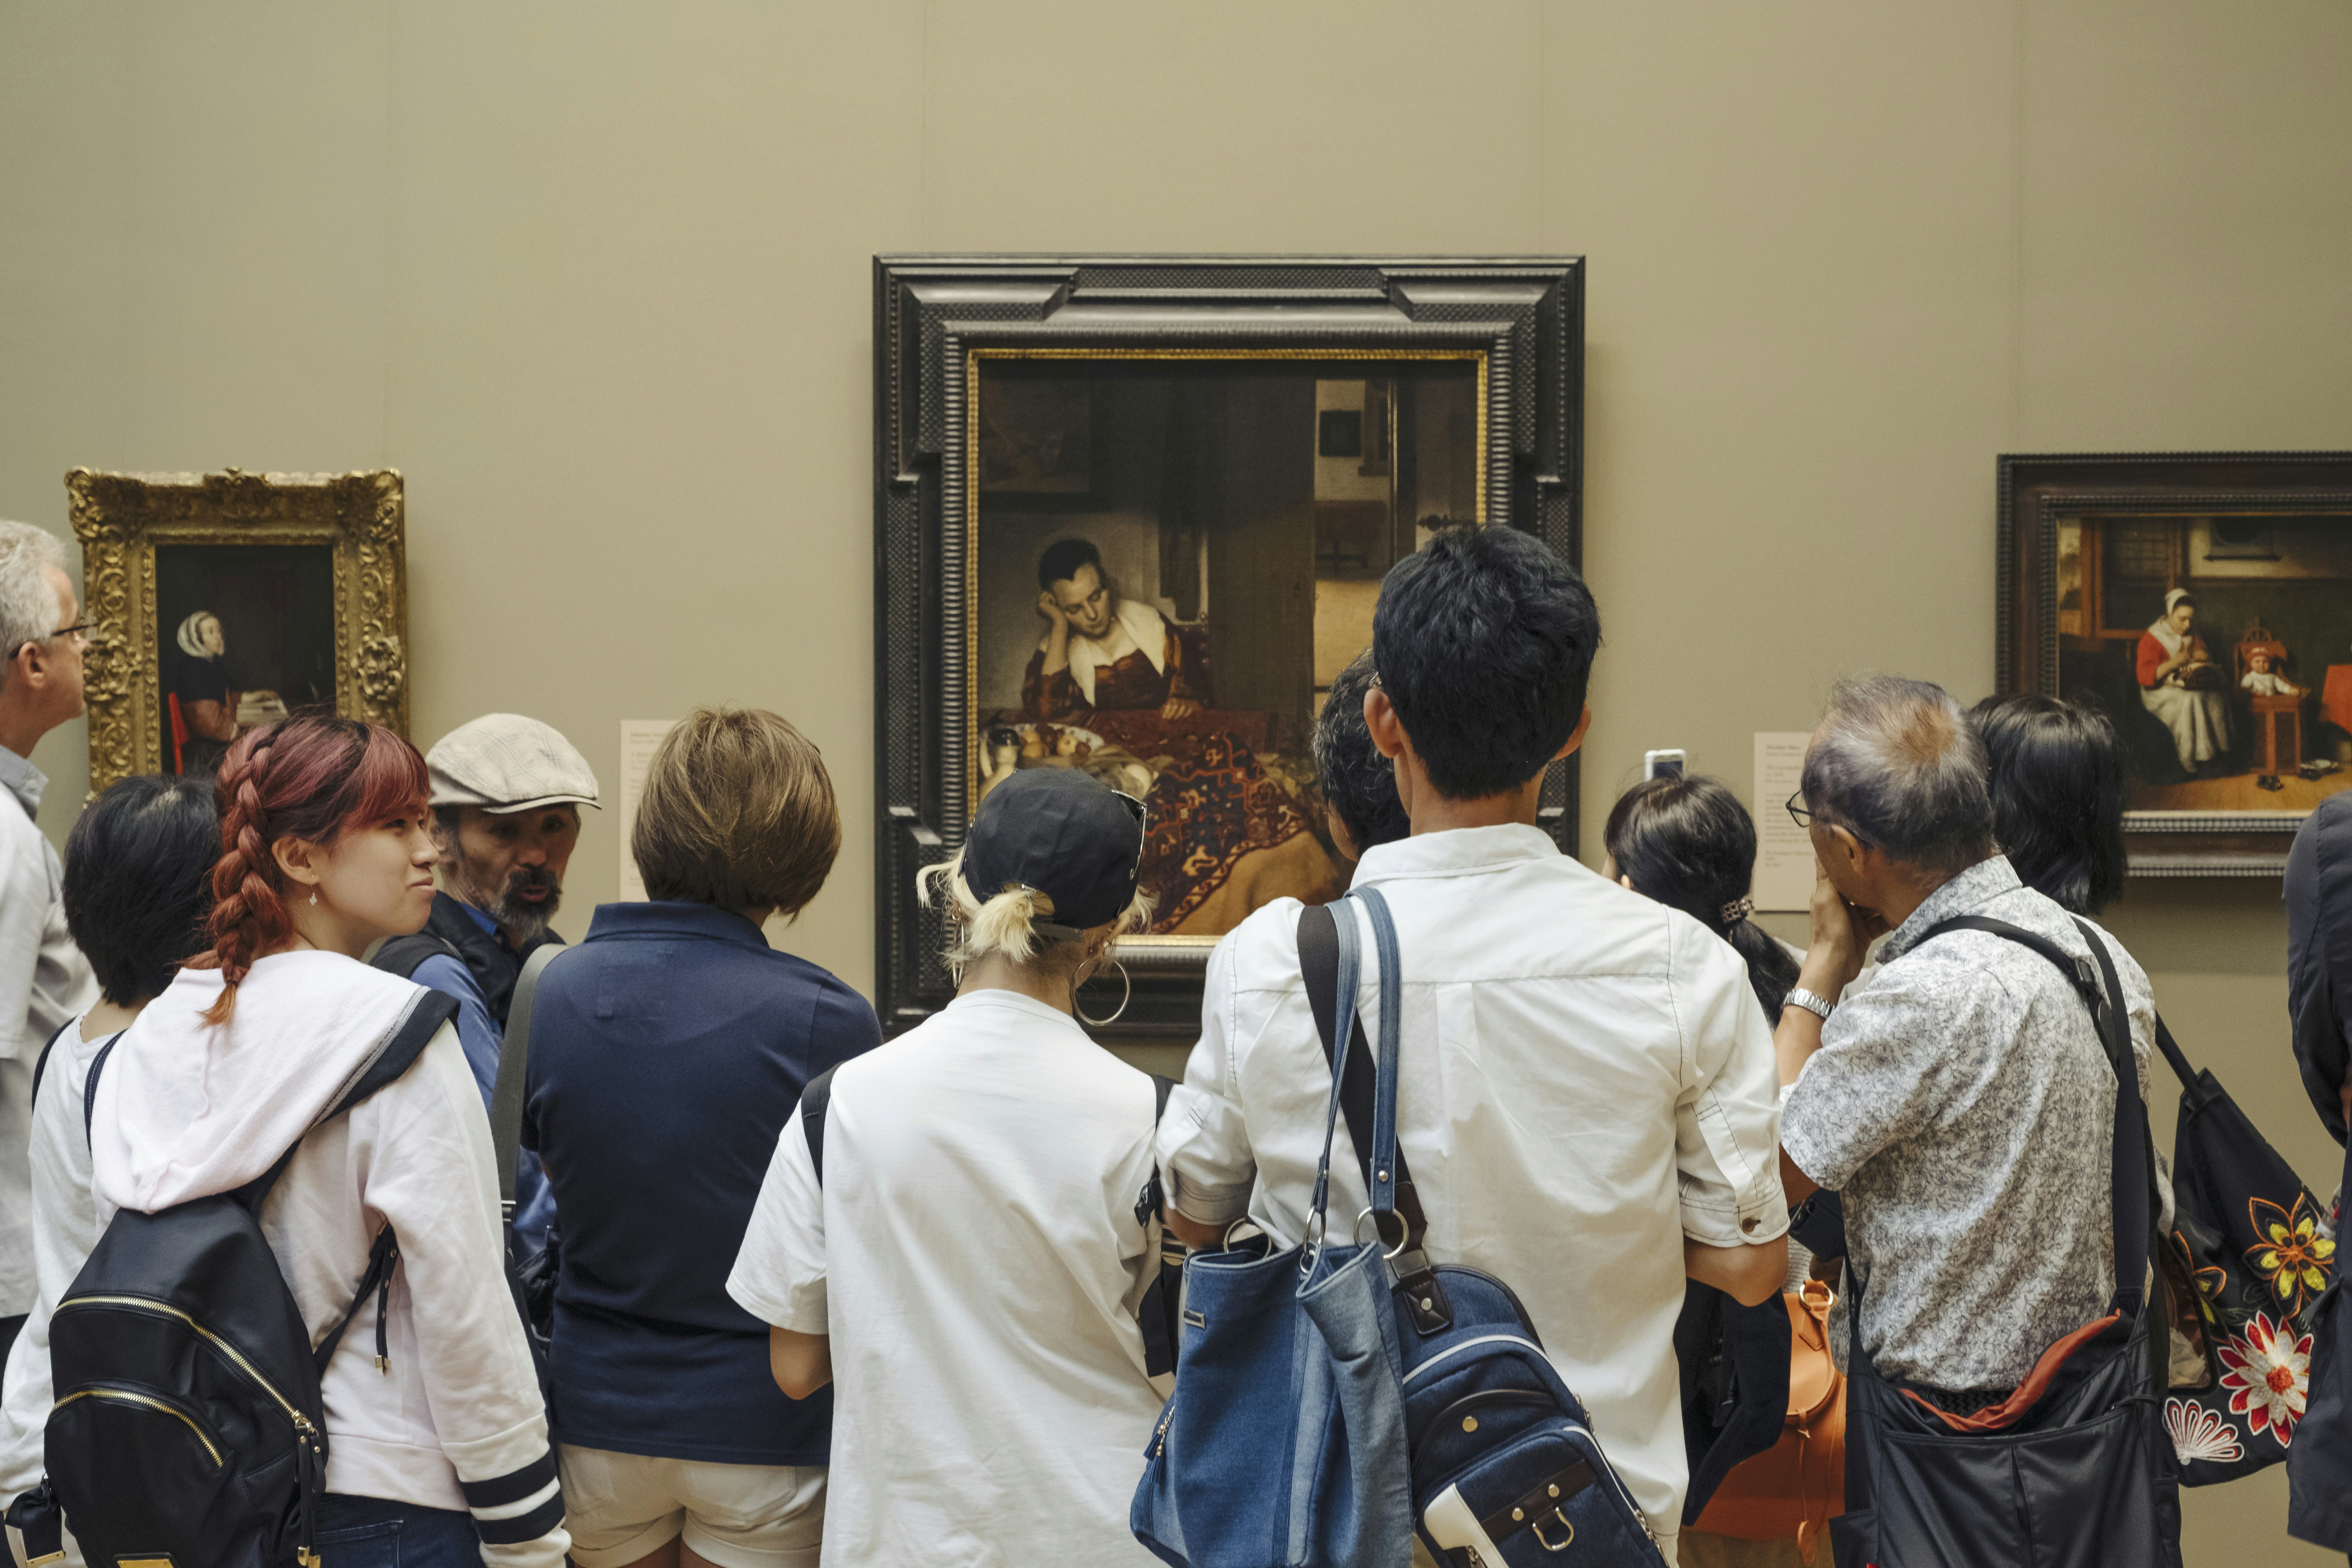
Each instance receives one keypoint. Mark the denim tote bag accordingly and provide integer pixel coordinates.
(1284, 1445)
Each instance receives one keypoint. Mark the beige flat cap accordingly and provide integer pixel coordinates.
(506, 763)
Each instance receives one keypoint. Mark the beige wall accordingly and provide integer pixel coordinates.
(595, 278)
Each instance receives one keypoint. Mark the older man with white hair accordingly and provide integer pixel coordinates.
(44, 981)
(1961, 1102)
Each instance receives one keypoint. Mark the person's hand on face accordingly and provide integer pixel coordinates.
(1051, 609)
(1841, 935)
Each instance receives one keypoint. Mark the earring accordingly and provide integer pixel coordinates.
(314, 898)
(1127, 992)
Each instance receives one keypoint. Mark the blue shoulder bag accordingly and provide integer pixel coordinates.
(1500, 1468)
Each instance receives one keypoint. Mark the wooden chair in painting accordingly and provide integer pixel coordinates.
(2278, 721)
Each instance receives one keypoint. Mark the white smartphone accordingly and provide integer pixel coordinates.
(1663, 763)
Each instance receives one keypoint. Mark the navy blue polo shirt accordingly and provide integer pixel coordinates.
(667, 1053)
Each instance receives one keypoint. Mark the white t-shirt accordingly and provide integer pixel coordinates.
(974, 1256)
(1584, 1079)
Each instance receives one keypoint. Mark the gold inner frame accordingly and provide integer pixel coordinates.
(119, 519)
(973, 357)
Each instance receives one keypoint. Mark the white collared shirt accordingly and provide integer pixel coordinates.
(1584, 1080)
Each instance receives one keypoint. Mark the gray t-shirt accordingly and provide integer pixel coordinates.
(1963, 1105)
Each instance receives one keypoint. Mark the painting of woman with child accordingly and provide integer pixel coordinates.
(2222, 648)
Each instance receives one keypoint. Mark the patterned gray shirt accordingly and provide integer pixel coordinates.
(1963, 1105)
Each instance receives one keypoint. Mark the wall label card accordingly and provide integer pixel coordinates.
(1784, 855)
(640, 738)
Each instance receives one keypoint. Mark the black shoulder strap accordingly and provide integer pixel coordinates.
(1156, 1316)
(813, 1101)
(1319, 960)
(2134, 1154)
(41, 1062)
(90, 1087)
(401, 955)
(514, 1056)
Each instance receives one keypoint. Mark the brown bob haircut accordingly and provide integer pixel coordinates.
(737, 812)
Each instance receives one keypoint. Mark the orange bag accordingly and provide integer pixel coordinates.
(1792, 1489)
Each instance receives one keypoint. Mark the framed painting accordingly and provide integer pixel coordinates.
(1132, 516)
(219, 602)
(2204, 601)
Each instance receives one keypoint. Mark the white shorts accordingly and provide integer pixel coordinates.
(619, 1507)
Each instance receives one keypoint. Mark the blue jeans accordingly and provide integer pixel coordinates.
(373, 1532)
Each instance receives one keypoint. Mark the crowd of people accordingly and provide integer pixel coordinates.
(822, 1297)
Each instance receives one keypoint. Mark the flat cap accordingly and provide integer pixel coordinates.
(506, 763)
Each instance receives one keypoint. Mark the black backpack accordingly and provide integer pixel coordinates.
(188, 1427)
(1156, 1314)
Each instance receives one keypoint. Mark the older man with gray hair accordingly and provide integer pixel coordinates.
(44, 981)
(1960, 1102)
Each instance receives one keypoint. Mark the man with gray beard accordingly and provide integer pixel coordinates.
(507, 794)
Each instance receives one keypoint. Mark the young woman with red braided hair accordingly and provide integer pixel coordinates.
(327, 847)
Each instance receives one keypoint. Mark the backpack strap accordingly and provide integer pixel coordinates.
(90, 1088)
(514, 1056)
(41, 1062)
(401, 955)
(2101, 988)
(1158, 1315)
(381, 1255)
(815, 1099)
(1319, 962)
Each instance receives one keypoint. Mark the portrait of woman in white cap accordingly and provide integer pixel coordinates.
(958, 1252)
(2181, 685)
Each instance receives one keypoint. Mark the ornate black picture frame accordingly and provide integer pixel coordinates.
(2090, 545)
(1517, 323)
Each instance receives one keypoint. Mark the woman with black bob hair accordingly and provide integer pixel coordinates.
(1687, 842)
(2057, 777)
(137, 892)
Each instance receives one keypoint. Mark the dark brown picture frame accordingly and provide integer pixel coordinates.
(2035, 492)
(933, 315)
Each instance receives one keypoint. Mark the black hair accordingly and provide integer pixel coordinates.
(1358, 782)
(1687, 842)
(1484, 641)
(138, 887)
(1062, 558)
(2057, 777)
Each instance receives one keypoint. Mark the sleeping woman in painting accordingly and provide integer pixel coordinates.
(1224, 835)
(2181, 685)
(1100, 650)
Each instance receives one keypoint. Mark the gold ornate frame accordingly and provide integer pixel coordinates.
(119, 519)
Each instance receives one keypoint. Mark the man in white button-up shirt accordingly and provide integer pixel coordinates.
(1587, 1092)
(44, 981)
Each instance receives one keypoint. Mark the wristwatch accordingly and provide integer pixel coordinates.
(1797, 997)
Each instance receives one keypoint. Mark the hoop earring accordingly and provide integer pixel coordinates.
(1127, 993)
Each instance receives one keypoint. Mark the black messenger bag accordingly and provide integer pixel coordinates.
(2069, 1470)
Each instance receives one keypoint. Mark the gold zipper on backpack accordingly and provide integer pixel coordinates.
(125, 1396)
(144, 1304)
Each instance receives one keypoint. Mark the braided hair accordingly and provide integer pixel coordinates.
(1688, 843)
(312, 778)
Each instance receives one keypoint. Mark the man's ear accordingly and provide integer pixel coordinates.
(1381, 719)
(297, 860)
(1851, 851)
(1575, 736)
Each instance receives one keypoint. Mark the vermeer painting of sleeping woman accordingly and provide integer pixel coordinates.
(2222, 647)
(1174, 559)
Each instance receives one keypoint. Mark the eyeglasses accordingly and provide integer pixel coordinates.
(1798, 814)
(79, 629)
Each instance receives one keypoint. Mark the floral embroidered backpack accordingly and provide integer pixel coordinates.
(2250, 1256)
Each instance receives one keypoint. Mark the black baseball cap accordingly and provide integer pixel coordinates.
(1073, 838)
